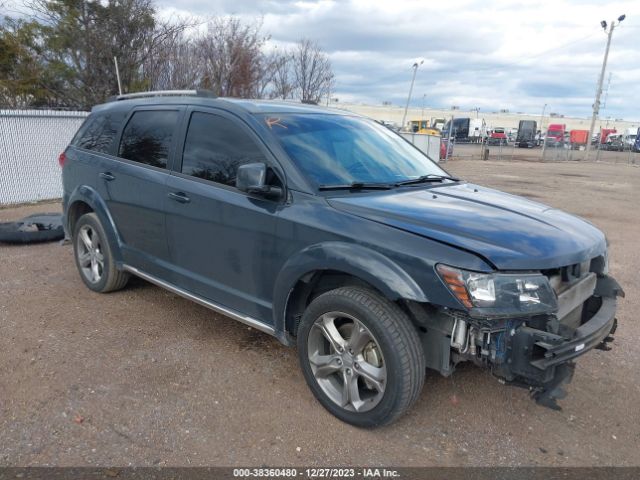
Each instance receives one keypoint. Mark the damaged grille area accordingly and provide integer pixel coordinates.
(537, 351)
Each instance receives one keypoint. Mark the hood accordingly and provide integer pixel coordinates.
(511, 232)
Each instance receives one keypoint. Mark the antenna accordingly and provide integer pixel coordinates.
(115, 60)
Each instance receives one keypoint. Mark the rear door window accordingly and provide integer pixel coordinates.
(215, 147)
(148, 136)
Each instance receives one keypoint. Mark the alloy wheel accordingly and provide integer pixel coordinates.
(347, 362)
(89, 252)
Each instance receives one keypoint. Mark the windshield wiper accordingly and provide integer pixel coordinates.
(358, 186)
(427, 179)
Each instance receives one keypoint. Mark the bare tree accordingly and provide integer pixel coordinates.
(232, 55)
(312, 71)
(282, 79)
(227, 59)
(175, 64)
(268, 65)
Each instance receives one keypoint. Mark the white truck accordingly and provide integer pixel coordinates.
(629, 138)
(477, 130)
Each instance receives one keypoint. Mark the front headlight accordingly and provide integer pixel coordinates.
(500, 294)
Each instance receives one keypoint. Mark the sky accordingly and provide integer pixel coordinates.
(485, 54)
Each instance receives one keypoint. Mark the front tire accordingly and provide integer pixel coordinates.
(361, 356)
(94, 258)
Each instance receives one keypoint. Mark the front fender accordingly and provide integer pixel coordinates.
(361, 262)
(91, 197)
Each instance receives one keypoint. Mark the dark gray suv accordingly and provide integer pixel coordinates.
(329, 231)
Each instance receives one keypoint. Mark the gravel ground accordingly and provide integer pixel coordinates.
(142, 377)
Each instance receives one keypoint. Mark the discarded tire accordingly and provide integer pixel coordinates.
(41, 227)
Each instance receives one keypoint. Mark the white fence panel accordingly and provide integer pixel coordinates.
(429, 144)
(30, 143)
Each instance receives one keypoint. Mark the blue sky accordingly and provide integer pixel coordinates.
(486, 54)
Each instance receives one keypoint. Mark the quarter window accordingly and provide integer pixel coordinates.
(147, 137)
(99, 132)
(215, 147)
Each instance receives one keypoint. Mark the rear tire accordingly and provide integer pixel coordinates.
(94, 257)
(368, 379)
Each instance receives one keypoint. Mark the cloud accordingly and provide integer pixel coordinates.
(491, 54)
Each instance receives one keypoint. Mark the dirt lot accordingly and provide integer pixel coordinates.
(143, 377)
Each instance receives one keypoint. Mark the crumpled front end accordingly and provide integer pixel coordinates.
(533, 351)
(539, 352)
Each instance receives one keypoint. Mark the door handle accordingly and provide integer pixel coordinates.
(108, 176)
(179, 197)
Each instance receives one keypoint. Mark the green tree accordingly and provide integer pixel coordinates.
(64, 56)
(79, 39)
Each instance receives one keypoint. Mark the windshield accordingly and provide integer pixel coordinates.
(555, 133)
(337, 149)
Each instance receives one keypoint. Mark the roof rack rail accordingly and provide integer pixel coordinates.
(163, 93)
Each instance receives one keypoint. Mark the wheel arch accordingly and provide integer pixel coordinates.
(330, 265)
(84, 200)
(74, 212)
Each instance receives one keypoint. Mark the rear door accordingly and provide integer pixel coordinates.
(222, 240)
(135, 185)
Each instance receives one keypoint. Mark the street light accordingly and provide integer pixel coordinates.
(424, 97)
(413, 79)
(596, 104)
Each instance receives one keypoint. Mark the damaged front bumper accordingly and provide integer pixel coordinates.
(538, 353)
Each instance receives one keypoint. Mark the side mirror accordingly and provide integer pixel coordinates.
(251, 178)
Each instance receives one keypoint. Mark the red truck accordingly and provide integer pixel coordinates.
(578, 138)
(555, 134)
(604, 133)
(497, 137)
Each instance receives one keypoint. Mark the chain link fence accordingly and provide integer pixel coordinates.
(598, 153)
(30, 143)
(550, 153)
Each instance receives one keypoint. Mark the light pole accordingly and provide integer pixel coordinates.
(596, 104)
(542, 120)
(413, 79)
(544, 140)
(424, 97)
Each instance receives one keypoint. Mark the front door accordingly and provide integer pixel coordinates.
(222, 241)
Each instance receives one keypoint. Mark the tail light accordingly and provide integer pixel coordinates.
(61, 159)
